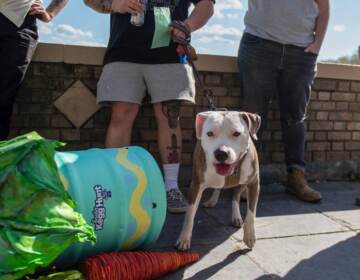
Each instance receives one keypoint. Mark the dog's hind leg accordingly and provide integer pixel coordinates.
(236, 219)
(213, 200)
(253, 190)
(184, 241)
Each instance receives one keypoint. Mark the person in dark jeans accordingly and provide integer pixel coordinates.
(277, 57)
(18, 39)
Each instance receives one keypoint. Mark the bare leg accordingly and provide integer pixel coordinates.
(120, 128)
(169, 141)
(169, 132)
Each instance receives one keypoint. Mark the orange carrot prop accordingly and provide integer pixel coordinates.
(135, 265)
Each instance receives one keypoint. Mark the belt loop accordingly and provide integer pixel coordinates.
(283, 52)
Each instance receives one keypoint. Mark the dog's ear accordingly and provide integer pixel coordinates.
(199, 123)
(253, 122)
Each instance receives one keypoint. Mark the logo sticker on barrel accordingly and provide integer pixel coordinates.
(99, 211)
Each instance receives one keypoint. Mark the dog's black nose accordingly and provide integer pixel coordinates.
(220, 155)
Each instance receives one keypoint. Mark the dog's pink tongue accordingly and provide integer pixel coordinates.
(223, 169)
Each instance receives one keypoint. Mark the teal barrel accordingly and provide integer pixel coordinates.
(120, 192)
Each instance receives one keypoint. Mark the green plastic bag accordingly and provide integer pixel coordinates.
(161, 37)
(37, 217)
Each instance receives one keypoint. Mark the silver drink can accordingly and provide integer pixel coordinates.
(138, 19)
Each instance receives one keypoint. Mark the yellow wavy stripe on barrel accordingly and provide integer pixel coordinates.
(136, 210)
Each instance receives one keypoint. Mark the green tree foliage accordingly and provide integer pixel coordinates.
(346, 59)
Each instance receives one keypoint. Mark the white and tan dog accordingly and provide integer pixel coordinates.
(224, 157)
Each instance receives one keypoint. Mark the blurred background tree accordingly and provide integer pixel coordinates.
(347, 59)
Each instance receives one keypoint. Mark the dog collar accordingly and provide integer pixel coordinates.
(230, 178)
(237, 163)
(241, 157)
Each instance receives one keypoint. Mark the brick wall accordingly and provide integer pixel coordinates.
(333, 123)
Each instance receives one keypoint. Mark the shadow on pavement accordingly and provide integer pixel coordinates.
(212, 228)
(208, 233)
(340, 261)
(211, 270)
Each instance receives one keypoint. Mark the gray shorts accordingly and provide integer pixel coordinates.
(129, 82)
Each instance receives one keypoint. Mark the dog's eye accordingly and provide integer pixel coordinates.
(210, 134)
(236, 134)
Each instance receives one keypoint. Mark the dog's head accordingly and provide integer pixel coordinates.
(225, 137)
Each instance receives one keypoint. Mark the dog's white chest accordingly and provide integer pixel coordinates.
(246, 170)
(213, 180)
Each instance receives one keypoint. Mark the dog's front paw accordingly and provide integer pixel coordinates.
(236, 219)
(249, 231)
(249, 236)
(210, 203)
(237, 222)
(213, 200)
(183, 243)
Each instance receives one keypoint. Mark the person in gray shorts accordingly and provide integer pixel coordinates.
(277, 57)
(139, 59)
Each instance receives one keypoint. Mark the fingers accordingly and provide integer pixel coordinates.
(127, 6)
(178, 33)
(132, 10)
(36, 12)
(37, 5)
(135, 6)
(312, 49)
(41, 14)
(38, 2)
(36, 8)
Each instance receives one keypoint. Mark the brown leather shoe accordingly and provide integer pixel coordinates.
(298, 186)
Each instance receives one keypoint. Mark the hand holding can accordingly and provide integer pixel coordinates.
(138, 19)
(126, 6)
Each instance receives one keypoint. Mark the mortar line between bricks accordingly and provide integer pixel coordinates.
(337, 220)
(253, 260)
(258, 264)
(234, 239)
(304, 235)
(228, 229)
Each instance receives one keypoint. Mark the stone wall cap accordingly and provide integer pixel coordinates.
(71, 54)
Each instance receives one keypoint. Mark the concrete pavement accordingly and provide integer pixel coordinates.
(295, 240)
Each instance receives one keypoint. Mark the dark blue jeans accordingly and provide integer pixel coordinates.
(17, 46)
(269, 69)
